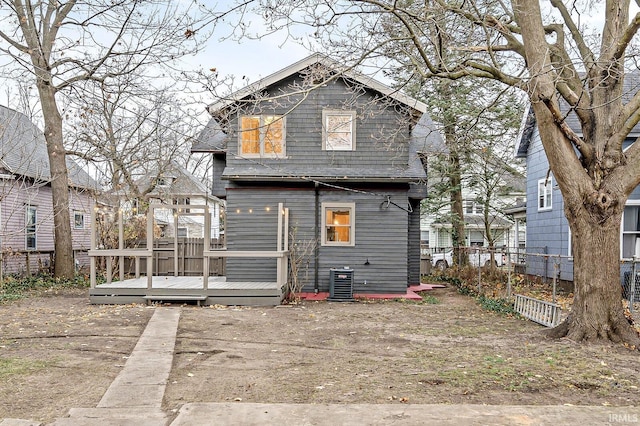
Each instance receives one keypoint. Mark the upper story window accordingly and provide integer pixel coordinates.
(262, 136)
(544, 194)
(472, 207)
(31, 219)
(78, 220)
(163, 181)
(338, 130)
(339, 224)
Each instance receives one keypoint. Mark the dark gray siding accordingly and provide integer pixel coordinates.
(414, 243)
(382, 131)
(381, 236)
(217, 165)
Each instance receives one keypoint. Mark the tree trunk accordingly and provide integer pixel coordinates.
(596, 313)
(457, 211)
(64, 265)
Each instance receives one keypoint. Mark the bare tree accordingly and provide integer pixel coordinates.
(58, 44)
(553, 57)
(127, 129)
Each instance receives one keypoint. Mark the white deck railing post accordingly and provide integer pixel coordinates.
(206, 247)
(92, 259)
(121, 239)
(150, 214)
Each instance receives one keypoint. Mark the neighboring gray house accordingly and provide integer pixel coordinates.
(342, 152)
(547, 227)
(26, 207)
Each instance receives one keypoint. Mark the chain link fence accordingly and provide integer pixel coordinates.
(531, 264)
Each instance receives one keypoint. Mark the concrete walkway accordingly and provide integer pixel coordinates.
(400, 414)
(135, 398)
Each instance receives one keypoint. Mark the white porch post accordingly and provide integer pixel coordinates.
(176, 213)
(92, 259)
(206, 248)
(121, 239)
(150, 213)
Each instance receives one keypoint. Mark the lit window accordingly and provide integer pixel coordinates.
(339, 224)
(262, 136)
(78, 220)
(30, 227)
(338, 130)
(544, 194)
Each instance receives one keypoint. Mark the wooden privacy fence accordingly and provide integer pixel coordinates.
(189, 257)
(540, 311)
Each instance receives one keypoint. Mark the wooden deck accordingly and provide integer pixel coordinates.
(177, 289)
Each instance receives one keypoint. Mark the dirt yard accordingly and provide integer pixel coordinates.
(57, 351)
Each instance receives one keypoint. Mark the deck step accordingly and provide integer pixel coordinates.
(177, 298)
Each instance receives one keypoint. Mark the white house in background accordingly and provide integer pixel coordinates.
(436, 229)
(175, 185)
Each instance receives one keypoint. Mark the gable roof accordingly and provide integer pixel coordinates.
(23, 151)
(212, 139)
(183, 183)
(318, 58)
(630, 86)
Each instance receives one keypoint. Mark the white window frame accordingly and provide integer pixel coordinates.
(76, 214)
(27, 227)
(352, 223)
(326, 115)
(473, 207)
(545, 189)
(630, 203)
(163, 181)
(262, 128)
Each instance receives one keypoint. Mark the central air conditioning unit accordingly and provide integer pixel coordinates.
(340, 285)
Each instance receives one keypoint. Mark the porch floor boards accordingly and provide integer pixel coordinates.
(219, 291)
(182, 283)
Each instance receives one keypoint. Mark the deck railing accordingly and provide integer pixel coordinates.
(281, 254)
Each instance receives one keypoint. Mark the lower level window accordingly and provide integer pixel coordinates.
(338, 224)
(631, 232)
(30, 227)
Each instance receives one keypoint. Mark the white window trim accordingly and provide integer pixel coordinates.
(325, 114)
(261, 129)
(352, 216)
(26, 225)
(630, 203)
(76, 213)
(548, 200)
(477, 208)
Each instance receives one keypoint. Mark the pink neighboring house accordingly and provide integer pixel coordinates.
(26, 207)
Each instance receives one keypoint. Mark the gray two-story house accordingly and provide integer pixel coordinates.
(343, 153)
